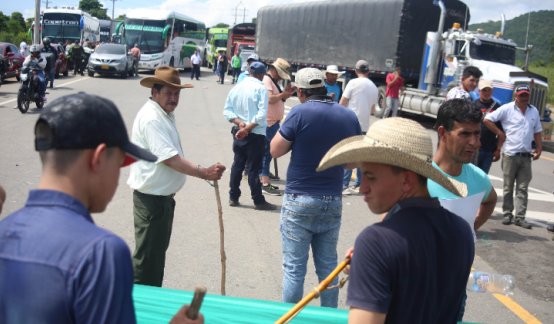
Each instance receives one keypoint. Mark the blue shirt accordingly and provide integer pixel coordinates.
(56, 266)
(313, 128)
(242, 76)
(248, 101)
(478, 189)
(333, 89)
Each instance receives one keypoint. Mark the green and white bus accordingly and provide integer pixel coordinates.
(164, 37)
(217, 40)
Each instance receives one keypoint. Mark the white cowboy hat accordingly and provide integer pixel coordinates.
(332, 69)
(394, 141)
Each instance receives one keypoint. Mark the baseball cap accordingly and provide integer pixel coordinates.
(257, 67)
(485, 84)
(82, 121)
(309, 78)
(523, 88)
(362, 65)
(254, 57)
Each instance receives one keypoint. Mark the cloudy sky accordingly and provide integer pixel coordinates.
(215, 11)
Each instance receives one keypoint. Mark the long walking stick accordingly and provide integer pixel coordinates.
(194, 309)
(313, 294)
(276, 169)
(221, 238)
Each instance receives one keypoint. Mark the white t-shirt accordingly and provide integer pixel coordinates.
(23, 47)
(362, 94)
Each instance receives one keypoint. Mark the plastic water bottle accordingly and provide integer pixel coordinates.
(481, 281)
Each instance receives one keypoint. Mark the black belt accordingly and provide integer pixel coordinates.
(142, 193)
(524, 154)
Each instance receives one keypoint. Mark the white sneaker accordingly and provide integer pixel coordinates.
(346, 191)
(355, 189)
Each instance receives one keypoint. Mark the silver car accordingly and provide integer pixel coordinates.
(111, 59)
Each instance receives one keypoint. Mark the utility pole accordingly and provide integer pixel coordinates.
(237, 10)
(36, 34)
(46, 2)
(113, 9)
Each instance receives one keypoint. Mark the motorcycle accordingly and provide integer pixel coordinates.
(29, 90)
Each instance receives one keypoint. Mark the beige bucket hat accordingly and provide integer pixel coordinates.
(282, 68)
(395, 141)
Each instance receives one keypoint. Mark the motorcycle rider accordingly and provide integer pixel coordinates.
(48, 48)
(38, 63)
(77, 54)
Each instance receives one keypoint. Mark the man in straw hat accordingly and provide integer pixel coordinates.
(331, 75)
(155, 184)
(246, 107)
(275, 112)
(312, 206)
(412, 267)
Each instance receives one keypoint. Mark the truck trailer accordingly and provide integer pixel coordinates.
(389, 33)
(240, 34)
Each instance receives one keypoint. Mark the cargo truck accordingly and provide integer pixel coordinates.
(240, 34)
(426, 38)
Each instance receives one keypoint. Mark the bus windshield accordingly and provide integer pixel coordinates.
(220, 42)
(493, 52)
(60, 27)
(146, 33)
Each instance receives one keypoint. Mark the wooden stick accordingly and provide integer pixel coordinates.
(322, 286)
(194, 309)
(221, 239)
(276, 169)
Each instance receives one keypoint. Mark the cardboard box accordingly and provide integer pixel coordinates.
(546, 130)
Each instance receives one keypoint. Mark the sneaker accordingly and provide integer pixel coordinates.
(346, 191)
(266, 206)
(272, 177)
(522, 223)
(271, 190)
(550, 228)
(507, 220)
(355, 189)
(44, 99)
(245, 177)
(233, 203)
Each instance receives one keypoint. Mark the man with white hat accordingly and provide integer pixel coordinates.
(275, 112)
(312, 205)
(490, 150)
(252, 58)
(331, 75)
(413, 267)
(155, 184)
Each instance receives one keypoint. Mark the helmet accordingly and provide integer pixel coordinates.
(46, 41)
(35, 48)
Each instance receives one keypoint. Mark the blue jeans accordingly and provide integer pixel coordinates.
(41, 83)
(249, 152)
(53, 74)
(309, 221)
(484, 160)
(348, 176)
(269, 134)
(463, 307)
(236, 72)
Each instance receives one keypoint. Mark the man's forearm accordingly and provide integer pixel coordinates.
(236, 121)
(538, 140)
(484, 213)
(250, 127)
(182, 165)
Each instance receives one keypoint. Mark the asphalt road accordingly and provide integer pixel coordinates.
(252, 238)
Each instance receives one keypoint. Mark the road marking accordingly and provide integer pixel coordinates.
(517, 309)
(544, 157)
(61, 85)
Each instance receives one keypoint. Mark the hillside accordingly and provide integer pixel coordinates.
(541, 29)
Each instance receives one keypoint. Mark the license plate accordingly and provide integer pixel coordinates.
(105, 67)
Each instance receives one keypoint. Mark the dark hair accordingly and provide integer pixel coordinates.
(321, 91)
(472, 70)
(158, 88)
(61, 160)
(398, 68)
(421, 179)
(457, 110)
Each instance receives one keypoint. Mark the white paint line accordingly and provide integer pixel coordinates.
(61, 85)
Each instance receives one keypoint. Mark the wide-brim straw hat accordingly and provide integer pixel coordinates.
(394, 141)
(166, 76)
(282, 68)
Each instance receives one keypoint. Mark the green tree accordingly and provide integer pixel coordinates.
(94, 8)
(17, 16)
(552, 50)
(221, 25)
(254, 20)
(14, 27)
(4, 22)
(121, 17)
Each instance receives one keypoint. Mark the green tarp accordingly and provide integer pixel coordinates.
(158, 305)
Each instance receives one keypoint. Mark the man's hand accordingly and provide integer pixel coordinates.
(332, 95)
(214, 172)
(181, 317)
(349, 253)
(537, 153)
(241, 134)
(288, 91)
(496, 155)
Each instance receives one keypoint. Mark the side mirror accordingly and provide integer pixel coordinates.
(477, 41)
(9, 54)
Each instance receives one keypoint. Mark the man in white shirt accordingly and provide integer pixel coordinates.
(522, 124)
(360, 96)
(470, 81)
(155, 184)
(195, 60)
(23, 46)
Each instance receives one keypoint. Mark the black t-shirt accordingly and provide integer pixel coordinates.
(225, 61)
(488, 138)
(413, 266)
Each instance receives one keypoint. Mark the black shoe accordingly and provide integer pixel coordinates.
(266, 206)
(82, 74)
(550, 228)
(234, 203)
(271, 190)
(522, 223)
(272, 177)
(51, 86)
(507, 220)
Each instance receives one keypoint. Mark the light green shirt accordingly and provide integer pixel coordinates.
(155, 131)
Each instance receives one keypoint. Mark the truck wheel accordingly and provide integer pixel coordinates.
(381, 102)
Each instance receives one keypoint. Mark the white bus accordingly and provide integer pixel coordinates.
(164, 37)
(65, 24)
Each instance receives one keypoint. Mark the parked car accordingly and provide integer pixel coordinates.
(111, 59)
(14, 60)
(61, 60)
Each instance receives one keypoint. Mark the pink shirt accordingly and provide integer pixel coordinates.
(275, 111)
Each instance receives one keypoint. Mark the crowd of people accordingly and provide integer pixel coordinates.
(411, 266)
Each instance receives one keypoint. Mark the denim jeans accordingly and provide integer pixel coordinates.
(41, 83)
(309, 221)
(391, 107)
(222, 71)
(269, 134)
(462, 308)
(484, 160)
(348, 176)
(249, 152)
(236, 72)
(53, 74)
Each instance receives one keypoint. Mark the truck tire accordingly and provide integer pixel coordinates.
(381, 102)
